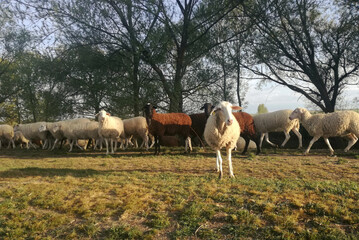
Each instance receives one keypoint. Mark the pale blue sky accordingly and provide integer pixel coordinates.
(276, 97)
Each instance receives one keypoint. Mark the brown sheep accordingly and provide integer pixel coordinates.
(199, 122)
(169, 141)
(160, 124)
(248, 131)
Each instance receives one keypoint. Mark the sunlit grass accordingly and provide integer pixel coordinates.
(136, 195)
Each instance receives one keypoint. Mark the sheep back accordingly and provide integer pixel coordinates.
(112, 127)
(246, 123)
(135, 126)
(6, 132)
(170, 124)
(332, 124)
(31, 131)
(274, 121)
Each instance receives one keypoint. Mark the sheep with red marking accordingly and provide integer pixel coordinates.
(199, 122)
(160, 124)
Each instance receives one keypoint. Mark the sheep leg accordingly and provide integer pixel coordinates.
(53, 147)
(190, 144)
(352, 141)
(145, 142)
(13, 143)
(157, 145)
(152, 141)
(229, 156)
(247, 139)
(77, 144)
(267, 140)
(296, 132)
(256, 139)
(71, 145)
(219, 163)
(287, 136)
(32, 145)
(45, 143)
(115, 147)
(0, 144)
(106, 142)
(314, 139)
(326, 140)
(261, 140)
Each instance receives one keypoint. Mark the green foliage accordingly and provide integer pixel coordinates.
(262, 109)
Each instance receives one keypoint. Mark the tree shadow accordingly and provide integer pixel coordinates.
(49, 172)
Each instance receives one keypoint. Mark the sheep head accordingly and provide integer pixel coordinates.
(57, 127)
(42, 128)
(148, 111)
(224, 110)
(207, 107)
(297, 114)
(16, 127)
(102, 116)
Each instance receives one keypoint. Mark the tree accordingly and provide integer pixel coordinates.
(13, 41)
(189, 30)
(301, 47)
(262, 109)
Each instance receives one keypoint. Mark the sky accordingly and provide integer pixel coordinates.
(276, 97)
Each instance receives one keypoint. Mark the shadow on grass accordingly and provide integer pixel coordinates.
(83, 173)
(49, 172)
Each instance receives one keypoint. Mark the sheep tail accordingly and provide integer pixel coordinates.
(200, 139)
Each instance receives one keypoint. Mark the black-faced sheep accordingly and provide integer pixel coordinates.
(160, 124)
(343, 124)
(222, 130)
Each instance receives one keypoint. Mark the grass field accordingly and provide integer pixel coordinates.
(280, 194)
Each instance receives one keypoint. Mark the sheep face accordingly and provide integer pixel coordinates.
(42, 128)
(16, 127)
(148, 110)
(296, 114)
(224, 109)
(56, 128)
(207, 107)
(102, 115)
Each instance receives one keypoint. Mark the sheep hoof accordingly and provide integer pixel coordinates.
(232, 176)
(220, 175)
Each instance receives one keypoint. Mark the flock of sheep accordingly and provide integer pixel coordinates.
(218, 126)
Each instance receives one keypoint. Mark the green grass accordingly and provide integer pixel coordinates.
(136, 195)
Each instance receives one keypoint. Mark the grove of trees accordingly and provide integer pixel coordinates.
(65, 58)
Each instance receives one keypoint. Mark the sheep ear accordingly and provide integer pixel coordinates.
(236, 108)
(202, 108)
(108, 114)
